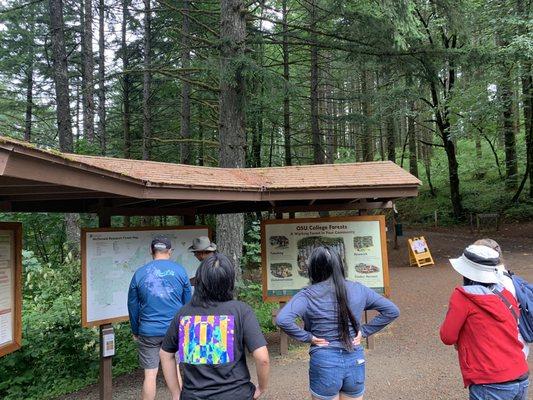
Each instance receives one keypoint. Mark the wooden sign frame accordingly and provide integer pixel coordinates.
(16, 343)
(383, 239)
(84, 232)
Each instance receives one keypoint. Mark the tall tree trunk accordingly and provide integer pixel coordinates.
(391, 138)
(367, 87)
(286, 96)
(88, 72)
(185, 126)
(426, 157)
(523, 9)
(340, 125)
(506, 96)
(78, 109)
(29, 101)
(101, 77)
(63, 108)
(258, 87)
(318, 153)
(390, 125)
(511, 165)
(201, 150)
(527, 93)
(126, 82)
(60, 76)
(232, 135)
(479, 150)
(411, 131)
(443, 126)
(526, 77)
(257, 132)
(382, 128)
(147, 82)
(441, 112)
(330, 128)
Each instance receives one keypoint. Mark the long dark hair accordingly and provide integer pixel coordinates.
(324, 263)
(215, 281)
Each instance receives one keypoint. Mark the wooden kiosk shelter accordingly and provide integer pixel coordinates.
(36, 180)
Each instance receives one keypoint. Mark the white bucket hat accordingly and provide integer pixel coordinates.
(479, 264)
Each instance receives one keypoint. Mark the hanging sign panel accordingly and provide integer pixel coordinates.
(110, 257)
(286, 245)
(10, 287)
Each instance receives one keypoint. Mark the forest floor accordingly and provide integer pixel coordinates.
(408, 360)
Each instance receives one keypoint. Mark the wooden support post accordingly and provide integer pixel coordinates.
(189, 219)
(283, 338)
(106, 363)
(106, 366)
(394, 223)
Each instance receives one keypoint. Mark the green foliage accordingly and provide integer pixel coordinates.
(57, 355)
(483, 191)
(252, 294)
(250, 289)
(252, 246)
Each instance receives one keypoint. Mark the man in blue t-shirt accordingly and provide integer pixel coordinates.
(157, 292)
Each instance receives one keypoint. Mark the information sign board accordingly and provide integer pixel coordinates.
(10, 287)
(286, 245)
(110, 257)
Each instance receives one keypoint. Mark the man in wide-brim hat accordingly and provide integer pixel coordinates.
(482, 324)
(202, 247)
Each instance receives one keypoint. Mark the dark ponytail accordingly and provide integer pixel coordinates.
(324, 263)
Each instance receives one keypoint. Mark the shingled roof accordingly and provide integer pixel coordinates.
(378, 173)
(32, 176)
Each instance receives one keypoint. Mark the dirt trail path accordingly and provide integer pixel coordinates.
(408, 361)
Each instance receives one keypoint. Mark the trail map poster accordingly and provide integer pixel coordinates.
(110, 257)
(10, 287)
(287, 244)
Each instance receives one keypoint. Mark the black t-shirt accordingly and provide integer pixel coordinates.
(210, 343)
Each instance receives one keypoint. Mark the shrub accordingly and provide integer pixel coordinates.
(251, 293)
(57, 355)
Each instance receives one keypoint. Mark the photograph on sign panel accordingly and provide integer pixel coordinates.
(363, 243)
(363, 268)
(279, 242)
(281, 270)
(308, 244)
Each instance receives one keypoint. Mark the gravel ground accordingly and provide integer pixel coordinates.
(408, 360)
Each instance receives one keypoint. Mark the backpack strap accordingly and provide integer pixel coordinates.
(507, 303)
(508, 273)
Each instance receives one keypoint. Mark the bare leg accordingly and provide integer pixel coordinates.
(316, 398)
(150, 376)
(342, 397)
(180, 383)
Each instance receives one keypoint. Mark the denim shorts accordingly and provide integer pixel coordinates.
(500, 391)
(333, 370)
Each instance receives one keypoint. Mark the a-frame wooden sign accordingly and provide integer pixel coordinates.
(419, 253)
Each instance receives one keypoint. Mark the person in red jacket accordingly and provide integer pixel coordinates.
(482, 324)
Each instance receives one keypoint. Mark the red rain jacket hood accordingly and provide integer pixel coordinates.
(485, 333)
